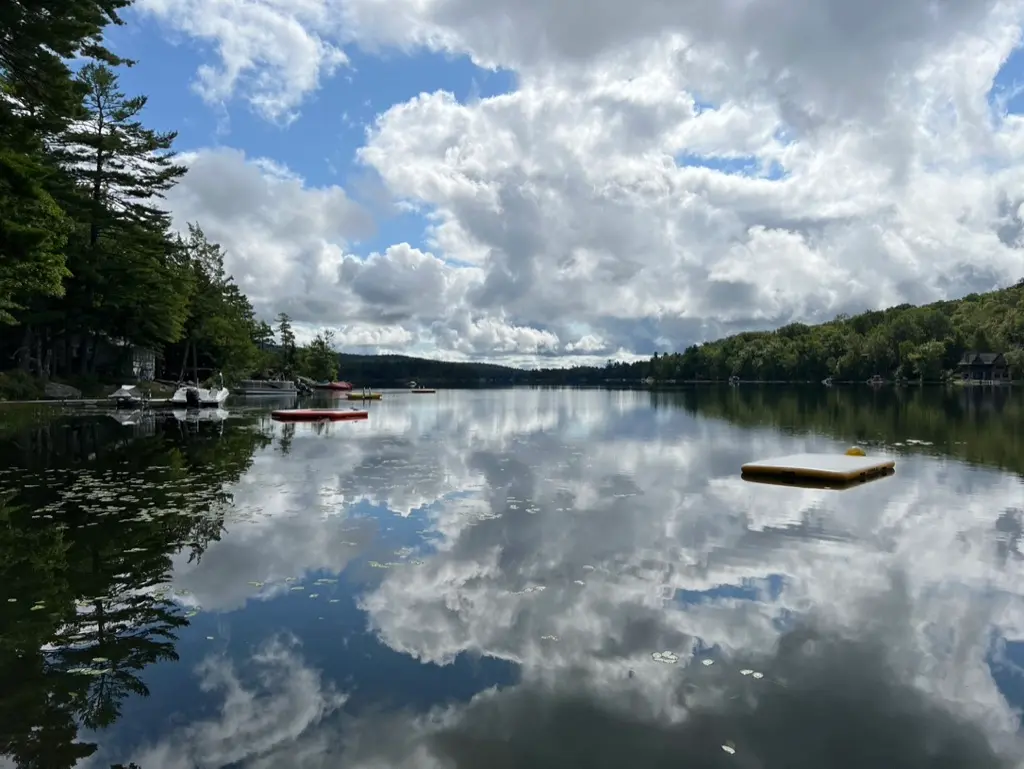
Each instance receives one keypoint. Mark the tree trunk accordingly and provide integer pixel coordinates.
(65, 367)
(91, 368)
(25, 351)
(184, 361)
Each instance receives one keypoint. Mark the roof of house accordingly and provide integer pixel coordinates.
(972, 358)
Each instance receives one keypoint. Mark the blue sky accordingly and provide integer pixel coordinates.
(1009, 83)
(321, 144)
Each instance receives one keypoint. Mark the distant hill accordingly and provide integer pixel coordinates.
(392, 370)
(399, 370)
(923, 342)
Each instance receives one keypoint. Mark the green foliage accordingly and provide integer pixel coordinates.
(88, 260)
(220, 323)
(911, 342)
(37, 39)
(125, 278)
(18, 385)
(288, 350)
(318, 360)
(39, 99)
(33, 233)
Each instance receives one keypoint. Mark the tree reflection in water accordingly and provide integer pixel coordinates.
(86, 548)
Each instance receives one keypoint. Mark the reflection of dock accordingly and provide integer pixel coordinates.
(103, 403)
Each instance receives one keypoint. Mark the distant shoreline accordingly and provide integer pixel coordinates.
(655, 387)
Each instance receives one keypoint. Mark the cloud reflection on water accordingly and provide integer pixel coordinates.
(890, 596)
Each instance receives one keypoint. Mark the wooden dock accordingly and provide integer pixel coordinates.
(106, 403)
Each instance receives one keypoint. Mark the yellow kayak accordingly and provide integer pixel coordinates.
(363, 396)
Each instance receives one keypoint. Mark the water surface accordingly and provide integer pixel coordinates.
(517, 578)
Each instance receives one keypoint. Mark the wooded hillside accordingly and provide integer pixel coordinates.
(912, 342)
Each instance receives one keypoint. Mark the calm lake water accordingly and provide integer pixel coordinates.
(517, 578)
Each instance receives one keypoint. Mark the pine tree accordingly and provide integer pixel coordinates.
(286, 338)
(126, 280)
(37, 39)
(33, 234)
(38, 97)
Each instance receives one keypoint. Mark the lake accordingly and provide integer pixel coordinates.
(517, 578)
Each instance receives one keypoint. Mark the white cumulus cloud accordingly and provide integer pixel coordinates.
(662, 174)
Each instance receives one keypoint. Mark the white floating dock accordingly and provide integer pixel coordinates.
(821, 467)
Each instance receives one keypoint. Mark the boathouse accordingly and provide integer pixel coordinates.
(984, 367)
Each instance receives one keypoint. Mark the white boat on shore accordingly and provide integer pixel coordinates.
(193, 396)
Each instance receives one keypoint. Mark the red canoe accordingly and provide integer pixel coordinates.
(317, 415)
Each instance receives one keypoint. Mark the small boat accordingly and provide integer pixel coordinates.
(827, 381)
(194, 397)
(318, 415)
(875, 380)
(364, 396)
(422, 391)
(343, 386)
(127, 396)
(257, 387)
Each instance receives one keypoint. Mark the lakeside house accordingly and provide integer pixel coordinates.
(109, 354)
(984, 367)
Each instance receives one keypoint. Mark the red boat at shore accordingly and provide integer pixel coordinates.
(340, 386)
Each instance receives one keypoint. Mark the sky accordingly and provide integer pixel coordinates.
(540, 184)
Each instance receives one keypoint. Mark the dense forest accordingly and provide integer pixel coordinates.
(910, 342)
(922, 343)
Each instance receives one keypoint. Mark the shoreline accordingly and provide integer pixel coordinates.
(676, 386)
